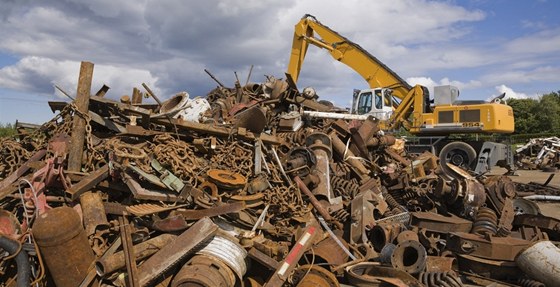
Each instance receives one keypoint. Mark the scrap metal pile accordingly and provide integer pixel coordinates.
(539, 153)
(238, 189)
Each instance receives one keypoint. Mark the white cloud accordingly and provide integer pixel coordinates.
(38, 75)
(510, 93)
(541, 74)
(545, 41)
(168, 43)
(223, 36)
(528, 24)
(430, 84)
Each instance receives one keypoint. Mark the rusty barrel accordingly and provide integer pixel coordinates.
(64, 245)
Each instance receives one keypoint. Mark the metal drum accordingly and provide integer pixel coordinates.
(64, 245)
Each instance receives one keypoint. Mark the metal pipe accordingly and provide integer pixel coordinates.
(321, 146)
(314, 201)
(409, 256)
(22, 262)
(541, 261)
(93, 211)
(327, 115)
(543, 197)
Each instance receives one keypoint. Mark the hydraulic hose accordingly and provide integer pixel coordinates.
(22, 261)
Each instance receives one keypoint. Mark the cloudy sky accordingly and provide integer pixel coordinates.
(484, 47)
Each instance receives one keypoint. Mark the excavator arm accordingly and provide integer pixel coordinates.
(310, 31)
(410, 105)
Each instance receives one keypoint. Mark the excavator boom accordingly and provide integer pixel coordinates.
(310, 31)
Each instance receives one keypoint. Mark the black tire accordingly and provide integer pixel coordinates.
(458, 153)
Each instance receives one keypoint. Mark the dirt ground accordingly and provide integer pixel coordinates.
(551, 209)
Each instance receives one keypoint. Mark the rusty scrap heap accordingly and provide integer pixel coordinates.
(539, 153)
(240, 189)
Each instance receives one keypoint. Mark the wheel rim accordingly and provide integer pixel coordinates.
(458, 158)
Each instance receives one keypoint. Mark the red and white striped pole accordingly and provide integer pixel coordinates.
(285, 267)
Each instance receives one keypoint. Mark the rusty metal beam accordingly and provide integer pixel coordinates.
(263, 259)
(218, 131)
(87, 182)
(171, 254)
(130, 258)
(79, 124)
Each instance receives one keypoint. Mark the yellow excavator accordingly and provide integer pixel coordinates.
(397, 104)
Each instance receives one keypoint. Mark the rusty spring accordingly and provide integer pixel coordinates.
(340, 215)
(297, 137)
(392, 202)
(346, 188)
(437, 279)
(486, 222)
(410, 194)
(526, 282)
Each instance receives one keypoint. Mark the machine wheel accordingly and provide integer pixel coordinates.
(457, 153)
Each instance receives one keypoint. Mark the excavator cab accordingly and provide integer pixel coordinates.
(376, 102)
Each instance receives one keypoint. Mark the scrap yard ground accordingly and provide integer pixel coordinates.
(548, 208)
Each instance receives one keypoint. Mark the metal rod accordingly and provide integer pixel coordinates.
(249, 75)
(335, 238)
(64, 92)
(315, 202)
(261, 218)
(280, 167)
(151, 93)
(214, 78)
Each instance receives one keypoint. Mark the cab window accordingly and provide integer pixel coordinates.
(364, 103)
(378, 100)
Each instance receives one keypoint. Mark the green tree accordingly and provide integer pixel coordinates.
(540, 115)
(523, 112)
(7, 130)
(547, 113)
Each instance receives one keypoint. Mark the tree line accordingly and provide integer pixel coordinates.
(537, 116)
(7, 130)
